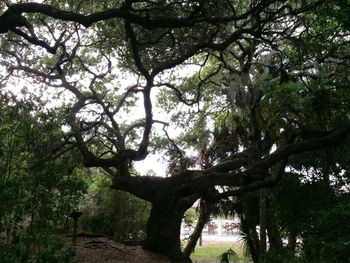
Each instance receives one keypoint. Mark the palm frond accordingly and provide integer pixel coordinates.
(228, 255)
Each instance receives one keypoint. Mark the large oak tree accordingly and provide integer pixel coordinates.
(102, 58)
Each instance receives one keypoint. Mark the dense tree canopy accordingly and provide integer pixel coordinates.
(250, 83)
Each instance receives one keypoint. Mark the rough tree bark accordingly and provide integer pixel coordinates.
(163, 228)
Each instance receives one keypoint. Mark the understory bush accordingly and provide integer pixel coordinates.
(116, 214)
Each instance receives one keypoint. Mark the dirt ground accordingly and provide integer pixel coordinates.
(104, 250)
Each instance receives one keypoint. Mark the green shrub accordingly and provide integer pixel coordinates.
(117, 214)
(190, 216)
(36, 247)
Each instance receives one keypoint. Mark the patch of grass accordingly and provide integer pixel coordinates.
(212, 252)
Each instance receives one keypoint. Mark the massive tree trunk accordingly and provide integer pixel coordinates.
(163, 228)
